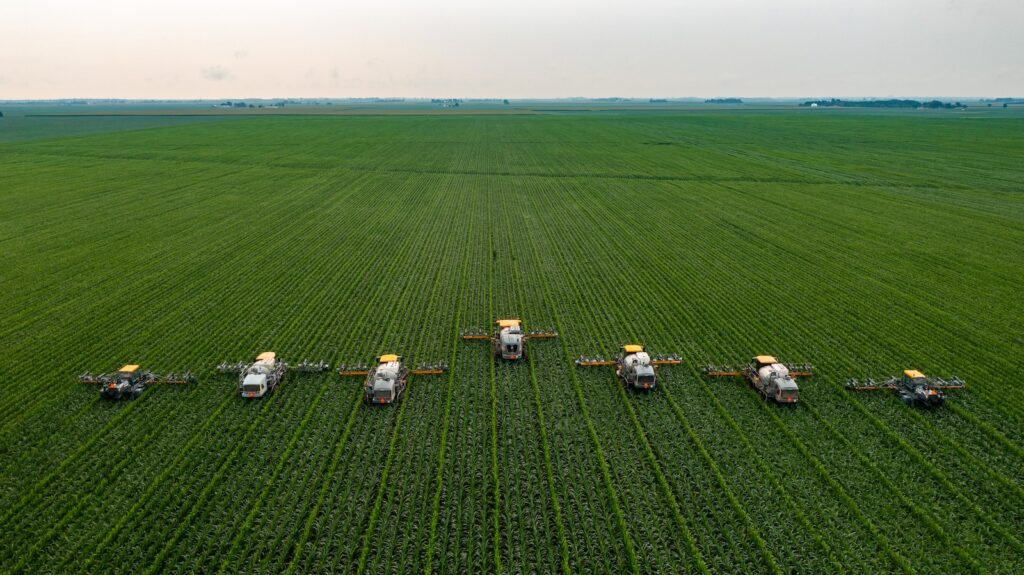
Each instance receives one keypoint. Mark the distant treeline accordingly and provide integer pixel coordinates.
(280, 104)
(723, 101)
(933, 104)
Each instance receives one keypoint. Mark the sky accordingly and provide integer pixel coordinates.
(220, 49)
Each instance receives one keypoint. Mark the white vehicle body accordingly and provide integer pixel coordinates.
(773, 380)
(636, 370)
(386, 382)
(511, 343)
(254, 385)
(261, 376)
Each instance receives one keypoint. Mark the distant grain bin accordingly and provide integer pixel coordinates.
(814, 104)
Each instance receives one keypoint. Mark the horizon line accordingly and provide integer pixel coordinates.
(395, 99)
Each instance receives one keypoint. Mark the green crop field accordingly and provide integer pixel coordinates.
(864, 243)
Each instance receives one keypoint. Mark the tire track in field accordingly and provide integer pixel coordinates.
(447, 237)
(269, 485)
(827, 477)
(941, 477)
(653, 460)
(357, 558)
(296, 550)
(114, 279)
(933, 524)
(605, 473)
(156, 482)
(1006, 409)
(589, 547)
(495, 481)
(435, 512)
(516, 275)
(463, 534)
(868, 274)
(198, 504)
(752, 530)
(226, 323)
(312, 303)
(197, 275)
(136, 448)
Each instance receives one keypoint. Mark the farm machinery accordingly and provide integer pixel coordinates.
(634, 366)
(913, 387)
(386, 381)
(509, 341)
(129, 382)
(771, 378)
(263, 375)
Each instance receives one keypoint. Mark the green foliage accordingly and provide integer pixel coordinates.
(931, 104)
(862, 243)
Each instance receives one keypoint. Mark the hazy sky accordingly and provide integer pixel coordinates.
(510, 48)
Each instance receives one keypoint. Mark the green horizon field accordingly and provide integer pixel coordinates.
(863, 243)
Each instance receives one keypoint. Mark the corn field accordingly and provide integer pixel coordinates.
(864, 244)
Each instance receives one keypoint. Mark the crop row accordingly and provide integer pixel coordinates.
(391, 235)
(624, 304)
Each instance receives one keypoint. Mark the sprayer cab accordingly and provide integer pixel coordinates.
(773, 379)
(635, 369)
(509, 341)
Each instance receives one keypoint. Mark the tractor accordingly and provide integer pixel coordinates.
(774, 380)
(386, 381)
(262, 376)
(129, 382)
(634, 366)
(913, 387)
(509, 342)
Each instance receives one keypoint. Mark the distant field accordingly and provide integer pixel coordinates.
(22, 124)
(864, 243)
(53, 115)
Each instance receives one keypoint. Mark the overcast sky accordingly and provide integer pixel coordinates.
(510, 48)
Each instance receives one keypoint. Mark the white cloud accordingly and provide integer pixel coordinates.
(216, 73)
